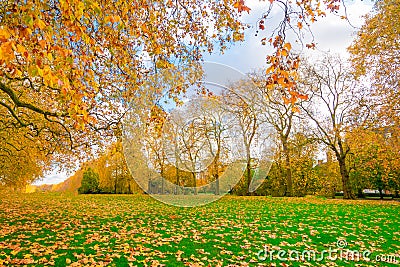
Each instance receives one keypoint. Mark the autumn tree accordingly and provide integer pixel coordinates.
(328, 176)
(90, 182)
(195, 151)
(171, 147)
(17, 172)
(303, 150)
(279, 110)
(375, 55)
(117, 178)
(113, 173)
(250, 130)
(217, 125)
(155, 142)
(333, 92)
(247, 123)
(374, 159)
(70, 68)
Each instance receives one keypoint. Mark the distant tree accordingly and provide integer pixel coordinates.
(192, 142)
(280, 109)
(375, 160)
(239, 102)
(303, 152)
(328, 177)
(217, 123)
(333, 93)
(155, 143)
(305, 179)
(90, 182)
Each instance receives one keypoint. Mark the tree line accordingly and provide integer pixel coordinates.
(360, 149)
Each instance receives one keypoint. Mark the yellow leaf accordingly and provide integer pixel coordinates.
(4, 33)
(40, 24)
(300, 25)
(6, 51)
(295, 109)
(238, 36)
(7, 47)
(50, 56)
(15, 252)
(270, 69)
(286, 101)
(21, 49)
(39, 71)
(18, 73)
(287, 46)
(42, 43)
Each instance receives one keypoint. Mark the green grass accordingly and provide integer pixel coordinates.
(125, 230)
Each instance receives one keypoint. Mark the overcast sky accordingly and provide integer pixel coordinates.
(331, 34)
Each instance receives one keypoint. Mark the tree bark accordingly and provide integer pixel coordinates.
(194, 183)
(360, 193)
(162, 181)
(288, 169)
(248, 177)
(216, 169)
(248, 170)
(347, 192)
(177, 179)
(116, 181)
(380, 193)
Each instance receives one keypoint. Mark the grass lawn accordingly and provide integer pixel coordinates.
(125, 230)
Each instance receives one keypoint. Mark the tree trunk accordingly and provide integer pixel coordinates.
(347, 192)
(217, 185)
(288, 170)
(194, 183)
(360, 193)
(216, 171)
(248, 176)
(115, 181)
(177, 178)
(380, 193)
(216, 174)
(149, 189)
(162, 181)
(248, 170)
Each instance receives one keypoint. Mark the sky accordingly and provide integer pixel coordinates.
(331, 34)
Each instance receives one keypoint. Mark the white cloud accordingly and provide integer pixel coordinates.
(331, 33)
(334, 34)
(53, 177)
